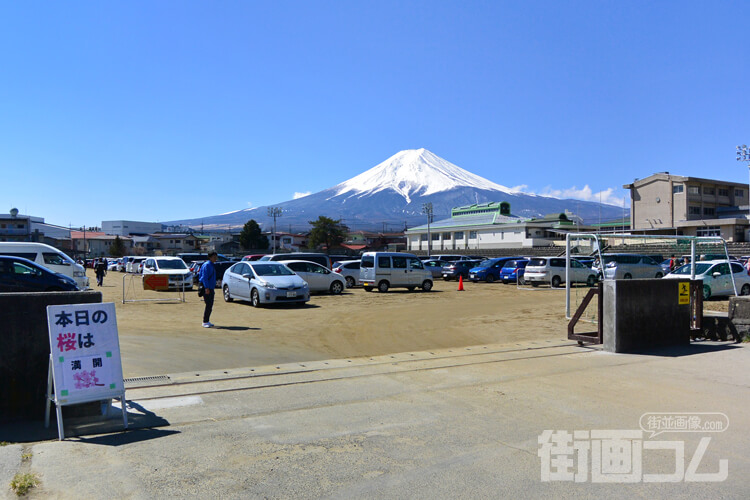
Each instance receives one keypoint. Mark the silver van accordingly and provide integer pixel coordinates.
(386, 270)
(49, 257)
(319, 258)
(628, 266)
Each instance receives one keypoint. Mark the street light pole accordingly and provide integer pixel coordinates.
(427, 209)
(274, 212)
(743, 154)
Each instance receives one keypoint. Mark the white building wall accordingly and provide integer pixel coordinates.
(128, 227)
(474, 239)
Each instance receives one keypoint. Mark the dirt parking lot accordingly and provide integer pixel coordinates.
(167, 337)
(157, 338)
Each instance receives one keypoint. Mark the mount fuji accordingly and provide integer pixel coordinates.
(390, 195)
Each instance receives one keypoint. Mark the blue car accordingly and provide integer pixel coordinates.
(22, 275)
(513, 271)
(489, 270)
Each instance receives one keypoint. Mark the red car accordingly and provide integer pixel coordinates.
(256, 256)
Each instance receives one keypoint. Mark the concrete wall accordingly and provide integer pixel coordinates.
(739, 317)
(644, 314)
(650, 213)
(25, 349)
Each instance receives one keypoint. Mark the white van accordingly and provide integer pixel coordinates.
(386, 270)
(49, 257)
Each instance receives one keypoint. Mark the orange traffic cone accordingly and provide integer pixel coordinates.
(460, 283)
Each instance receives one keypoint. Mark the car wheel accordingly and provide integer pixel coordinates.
(628, 276)
(383, 286)
(337, 287)
(350, 282)
(706, 292)
(659, 275)
(534, 284)
(556, 281)
(367, 288)
(745, 290)
(490, 278)
(446, 278)
(426, 285)
(255, 298)
(591, 280)
(227, 295)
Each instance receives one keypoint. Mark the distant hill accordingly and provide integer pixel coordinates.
(391, 195)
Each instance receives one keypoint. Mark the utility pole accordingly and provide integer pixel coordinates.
(427, 210)
(274, 212)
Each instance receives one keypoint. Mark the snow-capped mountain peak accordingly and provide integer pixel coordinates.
(414, 172)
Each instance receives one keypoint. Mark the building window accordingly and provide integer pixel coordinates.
(694, 210)
(423, 237)
(739, 193)
(472, 235)
(446, 236)
(435, 236)
(458, 235)
(708, 190)
(677, 188)
(724, 192)
(694, 190)
(708, 231)
(709, 211)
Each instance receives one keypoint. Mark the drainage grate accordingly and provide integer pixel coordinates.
(146, 381)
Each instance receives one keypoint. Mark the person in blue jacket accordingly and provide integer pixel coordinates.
(207, 277)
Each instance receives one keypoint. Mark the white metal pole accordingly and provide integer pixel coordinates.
(567, 275)
(692, 259)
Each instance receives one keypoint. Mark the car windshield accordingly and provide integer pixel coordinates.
(271, 270)
(537, 262)
(486, 263)
(170, 264)
(700, 268)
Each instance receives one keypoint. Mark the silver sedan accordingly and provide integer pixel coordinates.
(264, 283)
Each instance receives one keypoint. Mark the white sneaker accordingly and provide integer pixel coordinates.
(208, 325)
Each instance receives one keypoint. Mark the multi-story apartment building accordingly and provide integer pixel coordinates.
(691, 206)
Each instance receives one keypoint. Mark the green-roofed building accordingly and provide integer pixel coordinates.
(491, 225)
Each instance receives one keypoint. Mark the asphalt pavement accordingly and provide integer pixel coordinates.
(451, 423)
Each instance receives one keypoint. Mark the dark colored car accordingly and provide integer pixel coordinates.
(513, 270)
(21, 275)
(454, 270)
(489, 270)
(220, 266)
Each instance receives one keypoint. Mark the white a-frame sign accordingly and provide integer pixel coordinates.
(84, 362)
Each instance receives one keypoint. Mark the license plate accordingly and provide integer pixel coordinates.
(291, 294)
(473, 275)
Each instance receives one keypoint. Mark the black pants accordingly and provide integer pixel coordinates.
(209, 300)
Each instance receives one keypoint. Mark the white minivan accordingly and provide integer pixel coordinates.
(47, 256)
(386, 270)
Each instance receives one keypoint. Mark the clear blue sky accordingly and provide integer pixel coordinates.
(164, 110)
